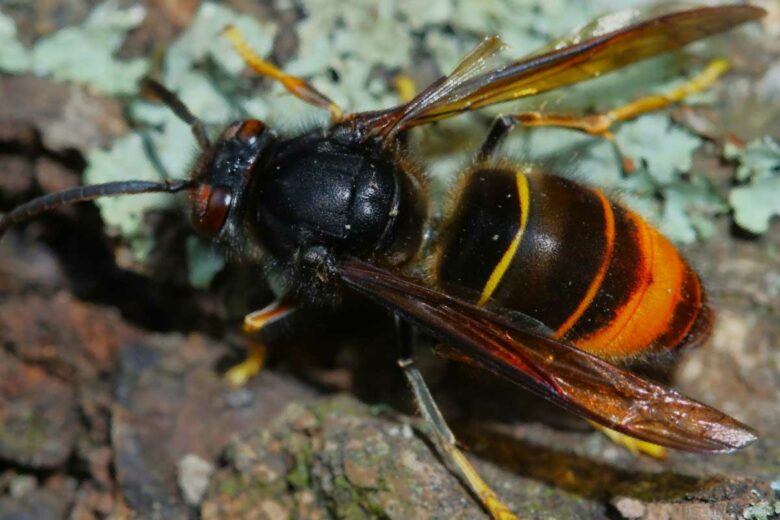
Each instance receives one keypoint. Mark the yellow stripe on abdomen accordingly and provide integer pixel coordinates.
(524, 198)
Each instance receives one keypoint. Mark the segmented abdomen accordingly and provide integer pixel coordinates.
(591, 270)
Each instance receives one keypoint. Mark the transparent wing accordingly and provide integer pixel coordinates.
(598, 48)
(611, 22)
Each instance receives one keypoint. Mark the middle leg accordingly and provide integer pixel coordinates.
(443, 438)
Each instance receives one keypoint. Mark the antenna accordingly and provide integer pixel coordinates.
(86, 193)
(111, 189)
(180, 109)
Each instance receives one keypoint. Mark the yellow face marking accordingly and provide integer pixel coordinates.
(595, 284)
(509, 254)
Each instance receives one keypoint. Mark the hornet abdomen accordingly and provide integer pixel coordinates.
(591, 270)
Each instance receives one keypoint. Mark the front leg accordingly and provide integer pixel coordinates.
(254, 323)
(296, 86)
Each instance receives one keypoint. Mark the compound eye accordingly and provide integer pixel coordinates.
(210, 208)
(246, 131)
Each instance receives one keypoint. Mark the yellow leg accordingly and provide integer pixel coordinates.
(296, 86)
(240, 374)
(635, 446)
(600, 124)
(497, 509)
(405, 87)
(444, 441)
(254, 323)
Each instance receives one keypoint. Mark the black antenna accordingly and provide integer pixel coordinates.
(85, 193)
(180, 109)
(110, 189)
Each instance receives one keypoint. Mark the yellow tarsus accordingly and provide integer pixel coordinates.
(600, 124)
(702, 81)
(635, 446)
(405, 87)
(487, 496)
(240, 374)
(254, 322)
(296, 86)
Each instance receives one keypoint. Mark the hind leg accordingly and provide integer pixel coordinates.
(600, 124)
(442, 436)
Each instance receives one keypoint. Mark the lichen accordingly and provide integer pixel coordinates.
(85, 54)
(204, 262)
(757, 199)
(351, 52)
(14, 57)
(298, 477)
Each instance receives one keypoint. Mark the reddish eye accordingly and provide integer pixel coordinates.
(210, 208)
(245, 130)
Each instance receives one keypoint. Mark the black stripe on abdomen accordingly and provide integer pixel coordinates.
(561, 252)
(624, 275)
(484, 223)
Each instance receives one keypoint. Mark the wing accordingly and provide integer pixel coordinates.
(577, 381)
(614, 21)
(594, 50)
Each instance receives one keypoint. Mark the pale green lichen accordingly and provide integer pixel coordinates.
(351, 39)
(351, 51)
(762, 510)
(759, 159)
(689, 208)
(85, 53)
(757, 200)
(204, 262)
(14, 57)
(666, 149)
(756, 203)
(203, 39)
(436, 12)
(128, 158)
